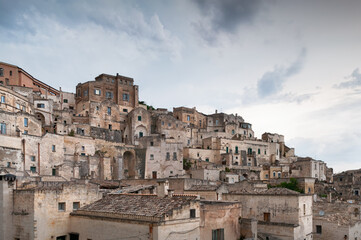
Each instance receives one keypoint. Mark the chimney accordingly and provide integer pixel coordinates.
(170, 192)
(162, 188)
(216, 111)
(329, 197)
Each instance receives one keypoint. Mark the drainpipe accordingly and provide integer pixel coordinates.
(23, 142)
(150, 231)
(39, 158)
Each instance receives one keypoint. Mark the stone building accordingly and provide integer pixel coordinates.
(163, 157)
(138, 216)
(336, 221)
(348, 184)
(220, 220)
(42, 210)
(106, 101)
(191, 117)
(281, 213)
(309, 167)
(11, 75)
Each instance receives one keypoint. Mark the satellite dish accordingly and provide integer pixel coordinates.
(321, 213)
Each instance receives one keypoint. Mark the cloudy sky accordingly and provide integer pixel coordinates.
(291, 67)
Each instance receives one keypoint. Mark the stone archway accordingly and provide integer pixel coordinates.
(41, 118)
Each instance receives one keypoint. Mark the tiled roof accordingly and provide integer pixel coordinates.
(203, 188)
(271, 191)
(138, 204)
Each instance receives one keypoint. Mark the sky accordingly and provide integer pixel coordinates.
(287, 67)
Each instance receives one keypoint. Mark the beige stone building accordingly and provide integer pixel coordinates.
(138, 216)
(336, 221)
(42, 210)
(281, 213)
(191, 117)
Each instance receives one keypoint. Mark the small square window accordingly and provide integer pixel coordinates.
(125, 110)
(33, 169)
(151, 157)
(139, 118)
(151, 143)
(32, 158)
(65, 100)
(61, 206)
(97, 92)
(76, 205)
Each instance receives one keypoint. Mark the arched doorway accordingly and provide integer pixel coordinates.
(129, 164)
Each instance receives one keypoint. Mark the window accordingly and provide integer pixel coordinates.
(139, 118)
(11, 73)
(259, 151)
(226, 149)
(97, 92)
(175, 156)
(167, 157)
(85, 93)
(53, 172)
(151, 157)
(279, 174)
(274, 174)
(218, 234)
(236, 150)
(151, 143)
(18, 106)
(3, 128)
(304, 209)
(8, 164)
(319, 229)
(188, 118)
(109, 111)
(125, 110)
(169, 124)
(25, 122)
(110, 127)
(32, 158)
(53, 148)
(82, 148)
(125, 97)
(265, 152)
(1, 72)
(267, 176)
(207, 159)
(249, 151)
(61, 206)
(266, 217)
(80, 131)
(140, 134)
(33, 169)
(192, 213)
(76, 205)
(2, 99)
(25, 132)
(232, 131)
(65, 100)
(162, 123)
(217, 122)
(109, 95)
(40, 105)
